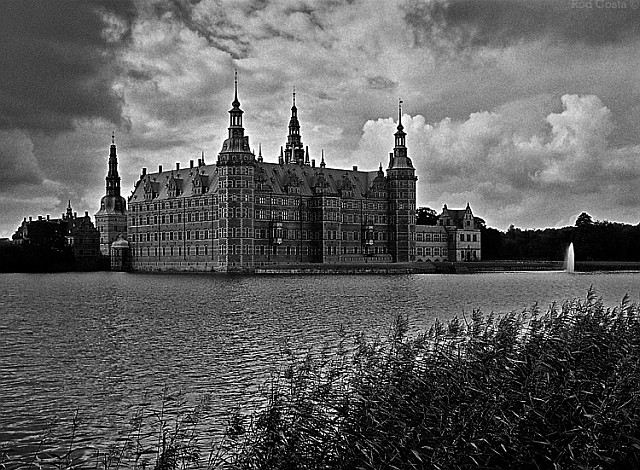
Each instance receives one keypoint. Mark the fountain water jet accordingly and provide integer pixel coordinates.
(569, 261)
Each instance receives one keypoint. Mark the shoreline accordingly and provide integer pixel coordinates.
(437, 267)
(445, 267)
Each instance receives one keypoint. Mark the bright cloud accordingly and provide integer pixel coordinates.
(511, 175)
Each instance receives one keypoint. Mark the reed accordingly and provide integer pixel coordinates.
(524, 390)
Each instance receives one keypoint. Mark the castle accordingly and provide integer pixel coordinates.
(242, 213)
(70, 233)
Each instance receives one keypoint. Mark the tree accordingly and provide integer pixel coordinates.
(584, 220)
(426, 216)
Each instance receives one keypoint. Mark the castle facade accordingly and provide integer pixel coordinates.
(242, 212)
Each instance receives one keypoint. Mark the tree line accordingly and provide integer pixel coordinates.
(592, 241)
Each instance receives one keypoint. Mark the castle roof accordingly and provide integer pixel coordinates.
(276, 179)
(456, 216)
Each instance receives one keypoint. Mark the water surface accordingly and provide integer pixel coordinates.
(106, 344)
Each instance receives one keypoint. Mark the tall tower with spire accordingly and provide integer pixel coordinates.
(236, 167)
(111, 219)
(401, 177)
(294, 151)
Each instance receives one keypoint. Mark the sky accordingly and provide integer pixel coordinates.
(526, 110)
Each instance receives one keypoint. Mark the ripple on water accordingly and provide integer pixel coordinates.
(112, 345)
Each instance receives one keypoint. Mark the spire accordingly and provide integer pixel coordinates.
(203, 157)
(237, 141)
(294, 150)
(281, 159)
(113, 179)
(260, 152)
(400, 134)
(236, 103)
(399, 158)
(69, 210)
(322, 163)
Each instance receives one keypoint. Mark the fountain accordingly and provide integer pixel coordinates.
(569, 261)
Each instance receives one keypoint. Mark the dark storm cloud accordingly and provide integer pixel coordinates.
(214, 25)
(58, 61)
(499, 23)
(381, 83)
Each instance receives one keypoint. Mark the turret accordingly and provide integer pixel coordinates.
(111, 219)
(399, 158)
(237, 141)
(402, 197)
(113, 179)
(294, 150)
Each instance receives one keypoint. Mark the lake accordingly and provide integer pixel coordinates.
(106, 345)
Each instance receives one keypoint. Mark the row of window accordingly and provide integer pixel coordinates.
(260, 214)
(401, 183)
(431, 251)
(232, 170)
(431, 237)
(468, 237)
(256, 250)
(258, 233)
(264, 200)
(448, 222)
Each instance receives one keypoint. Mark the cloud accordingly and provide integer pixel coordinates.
(463, 24)
(59, 62)
(19, 166)
(527, 171)
(381, 83)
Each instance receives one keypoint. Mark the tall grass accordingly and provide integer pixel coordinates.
(529, 390)
(523, 390)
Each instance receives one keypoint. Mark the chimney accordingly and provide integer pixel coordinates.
(30, 219)
(313, 163)
(190, 163)
(355, 167)
(199, 162)
(177, 166)
(39, 217)
(144, 171)
(47, 216)
(75, 215)
(159, 168)
(86, 213)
